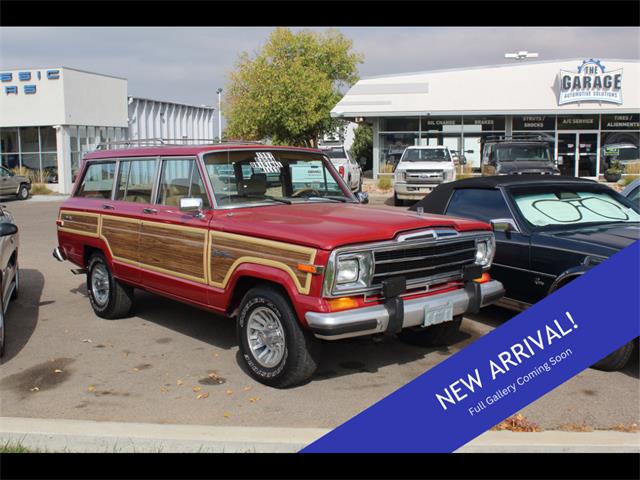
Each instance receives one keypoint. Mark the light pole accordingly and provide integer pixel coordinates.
(219, 92)
(521, 55)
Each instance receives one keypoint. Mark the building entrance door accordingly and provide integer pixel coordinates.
(577, 153)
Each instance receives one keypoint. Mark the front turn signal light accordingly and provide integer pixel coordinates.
(342, 303)
(484, 278)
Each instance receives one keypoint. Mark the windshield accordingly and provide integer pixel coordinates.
(339, 153)
(523, 153)
(426, 155)
(259, 177)
(552, 207)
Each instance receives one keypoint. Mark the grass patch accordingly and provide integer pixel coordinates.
(384, 183)
(15, 448)
(40, 189)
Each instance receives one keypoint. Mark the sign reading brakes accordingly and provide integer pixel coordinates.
(591, 83)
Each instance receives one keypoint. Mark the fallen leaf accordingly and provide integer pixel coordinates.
(202, 395)
(87, 340)
(196, 389)
(164, 389)
(179, 382)
(91, 388)
(229, 392)
(35, 389)
(254, 399)
(57, 370)
(226, 414)
(246, 389)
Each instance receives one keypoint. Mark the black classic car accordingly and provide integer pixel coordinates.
(548, 230)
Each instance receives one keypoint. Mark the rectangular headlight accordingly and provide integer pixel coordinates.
(351, 272)
(485, 249)
(400, 176)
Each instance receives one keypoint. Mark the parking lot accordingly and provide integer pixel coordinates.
(171, 363)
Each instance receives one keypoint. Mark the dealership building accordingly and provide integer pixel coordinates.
(588, 109)
(50, 117)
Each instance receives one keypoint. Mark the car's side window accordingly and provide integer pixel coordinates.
(481, 204)
(181, 179)
(97, 181)
(4, 172)
(135, 183)
(634, 196)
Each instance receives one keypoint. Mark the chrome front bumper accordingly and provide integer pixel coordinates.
(413, 191)
(375, 319)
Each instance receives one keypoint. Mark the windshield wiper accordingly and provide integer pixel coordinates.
(268, 197)
(331, 198)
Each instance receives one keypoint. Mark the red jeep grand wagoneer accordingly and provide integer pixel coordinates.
(274, 238)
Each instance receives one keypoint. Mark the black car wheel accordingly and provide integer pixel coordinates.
(23, 192)
(616, 360)
(274, 347)
(108, 297)
(396, 201)
(439, 335)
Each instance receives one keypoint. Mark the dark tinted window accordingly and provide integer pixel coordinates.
(481, 204)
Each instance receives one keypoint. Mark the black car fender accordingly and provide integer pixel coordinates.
(566, 276)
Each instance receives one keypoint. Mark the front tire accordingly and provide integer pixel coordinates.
(616, 360)
(23, 192)
(275, 349)
(396, 201)
(439, 335)
(109, 298)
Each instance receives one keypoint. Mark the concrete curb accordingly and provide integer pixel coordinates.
(54, 435)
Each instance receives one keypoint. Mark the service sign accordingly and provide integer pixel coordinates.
(592, 82)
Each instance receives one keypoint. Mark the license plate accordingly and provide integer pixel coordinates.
(439, 314)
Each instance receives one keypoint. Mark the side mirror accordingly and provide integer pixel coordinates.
(7, 229)
(363, 197)
(191, 205)
(505, 225)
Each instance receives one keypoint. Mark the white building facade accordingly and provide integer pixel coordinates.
(583, 107)
(51, 117)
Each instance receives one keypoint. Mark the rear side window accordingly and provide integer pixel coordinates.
(480, 204)
(135, 182)
(181, 179)
(97, 181)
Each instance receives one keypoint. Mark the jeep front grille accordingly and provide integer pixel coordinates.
(421, 262)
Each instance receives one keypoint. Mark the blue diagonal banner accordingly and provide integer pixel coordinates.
(505, 370)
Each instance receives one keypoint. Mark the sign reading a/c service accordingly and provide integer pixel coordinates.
(592, 82)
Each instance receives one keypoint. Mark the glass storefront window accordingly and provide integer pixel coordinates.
(48, 139)
(400, 124)
(50, 167)
(29, 139)
(9, 140)
(621, 122)
(441, 124)
(529, 123)
(484, 123)
(392, 146)
(621, 147)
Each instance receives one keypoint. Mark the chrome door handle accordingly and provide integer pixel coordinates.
(108, 207)
(152, 211)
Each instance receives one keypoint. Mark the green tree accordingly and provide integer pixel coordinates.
(287, 90)
(363, 144)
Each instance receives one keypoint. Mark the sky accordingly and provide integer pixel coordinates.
(186, 64)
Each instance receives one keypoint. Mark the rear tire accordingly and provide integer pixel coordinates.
(23, 192)
(616, 360)
(267, 320)
(109, 298)
(439, 335)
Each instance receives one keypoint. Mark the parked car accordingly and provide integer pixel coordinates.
(12, 184)
(549, 231)
(291, 264)
(523, 154)
(9, 274)
(347, 167)
(420, 170)
(632, 191)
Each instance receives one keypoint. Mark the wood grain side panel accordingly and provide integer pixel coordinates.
(174, 249)
(122, 236)
(228, 251)
(80, 222)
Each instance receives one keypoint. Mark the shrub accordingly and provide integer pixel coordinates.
(628, 179)
(40, 189)
(384, 183)
(632, 168)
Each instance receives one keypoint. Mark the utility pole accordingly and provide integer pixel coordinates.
(219, 92)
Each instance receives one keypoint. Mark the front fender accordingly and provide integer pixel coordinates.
(567, 275)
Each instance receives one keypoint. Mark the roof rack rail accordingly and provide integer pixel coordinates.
(154, 142)
(520, 137)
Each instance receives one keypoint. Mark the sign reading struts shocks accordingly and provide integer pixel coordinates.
(590, 83)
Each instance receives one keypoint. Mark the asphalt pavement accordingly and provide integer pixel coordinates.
(63, 362)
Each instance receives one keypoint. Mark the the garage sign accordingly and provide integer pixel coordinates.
(592, 82)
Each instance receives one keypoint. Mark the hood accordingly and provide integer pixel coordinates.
(329, 225)
(425, 166)
(529, 167)
(598, 240)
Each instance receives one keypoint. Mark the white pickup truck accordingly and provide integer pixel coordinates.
(420, 170)
(347, 167)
